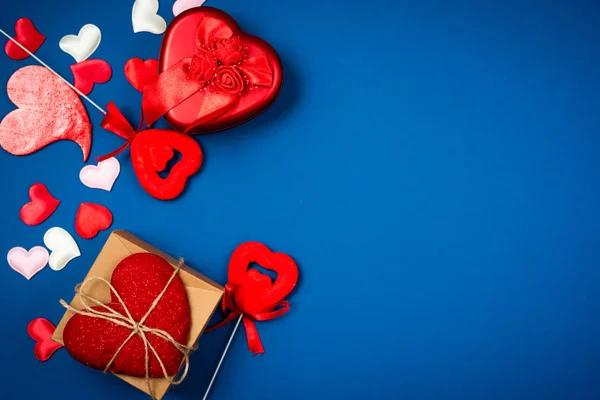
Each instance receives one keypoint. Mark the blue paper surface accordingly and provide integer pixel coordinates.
(432, 166)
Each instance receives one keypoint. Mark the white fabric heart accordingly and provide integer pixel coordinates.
(83, 45)
(102, 176)
(27, 263)
(63, 247)
(184, 5)
(145, 18)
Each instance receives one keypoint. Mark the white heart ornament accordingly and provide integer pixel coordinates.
(102, 176)
(145, 18)
(63, 247)
(27, 263)
(184, 5)
(83, 45)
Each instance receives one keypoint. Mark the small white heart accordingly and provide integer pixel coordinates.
(63, 247)
(145, 18)
(83, 45)
(102, 176)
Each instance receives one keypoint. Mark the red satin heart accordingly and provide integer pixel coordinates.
(28, 36)
(148, 150)
(256, 295)
(138, 279)
(208, 112)
(49, 110)
(41, 206)
(41, 330)
(92, 218)
(140, 73)
(89, 72)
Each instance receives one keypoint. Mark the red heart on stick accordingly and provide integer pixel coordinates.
(138, 279)
(41, 206)
(92, 218)
(41, 330)
(140, 73)
(89, 72)
(28, 36)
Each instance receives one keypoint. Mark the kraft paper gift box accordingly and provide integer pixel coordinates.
(203, 294)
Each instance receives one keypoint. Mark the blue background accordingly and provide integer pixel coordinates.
(432, 166)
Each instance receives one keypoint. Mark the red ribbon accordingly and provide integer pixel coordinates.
(114, 121)
(235, 310)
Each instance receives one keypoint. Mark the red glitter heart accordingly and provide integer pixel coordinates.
(89, 72)
(92, 218)
(28, 36)
(41, 330)
(138, 279)
(141, 73)
(41, 206)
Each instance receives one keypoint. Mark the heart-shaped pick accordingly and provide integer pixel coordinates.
(92, 218)
(145, 18)
(83, 45)
(41, 206)
(89, 72)
(28, 36)
(41, 330)
(63, 247)
(102, 176)
(184, 5)
(27, 263)
(49, 110)
(140, 73)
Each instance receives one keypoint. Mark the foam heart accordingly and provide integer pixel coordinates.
(145, 18)
(41, 206)
(27, 263)
(28, 36)
(160, 156)
(49, 110)
(140, 73)
(102, 176)
(184, 5)
(82, 45)
(89, 72)
(41, 330)
(92, 218)
(138, 279)
(63, 248)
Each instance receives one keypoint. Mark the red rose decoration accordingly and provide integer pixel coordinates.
(227, 51)
(228, 80)
(202, 66)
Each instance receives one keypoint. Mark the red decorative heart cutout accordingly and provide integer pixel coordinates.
(41, 330)
(49, 110)
(149, 151)
(41, 206)
(28, 36)
(89, 72)
(92, 218)
(141, 73)
(258, 294)
(138, 279)
(219, 75)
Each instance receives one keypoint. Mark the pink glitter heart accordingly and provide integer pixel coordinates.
(184, 5)
(28, 263)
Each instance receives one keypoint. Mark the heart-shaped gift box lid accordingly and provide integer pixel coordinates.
(204, 295)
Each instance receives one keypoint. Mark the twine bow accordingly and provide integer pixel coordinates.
(137, 328)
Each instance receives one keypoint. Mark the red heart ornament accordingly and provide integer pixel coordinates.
(138, 279)
(28, 36)
(41, 330)
(49, 110)
(141, 73)
(92, 218)
(149, 154)
(41, 206)
(213, 75)
(89, 72)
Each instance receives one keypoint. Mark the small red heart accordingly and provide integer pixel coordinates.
(256, 282)
(29, 37)
(141, 73)
(148, 154)
(41, 206)
(92, 218)
(89, 72)
(41, 330)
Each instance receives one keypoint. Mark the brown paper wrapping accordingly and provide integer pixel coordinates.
(204, 295)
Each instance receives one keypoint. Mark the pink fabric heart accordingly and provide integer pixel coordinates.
(102, 176)
(183, 5)
(28, 263)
